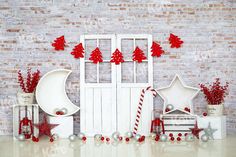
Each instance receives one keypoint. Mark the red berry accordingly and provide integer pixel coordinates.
(179, 134)
(107, 139)
(167, 110)
(172, 138)
(51, 140)
(120, 138)
(185, 134)
(127, 139)
(170, 134)
(157, 138)
(102, 138)
(84, 138)
(140, 140)
(37, 139)
(178, 139)
(204, 114)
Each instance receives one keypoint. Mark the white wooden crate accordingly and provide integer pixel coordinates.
(217, 122)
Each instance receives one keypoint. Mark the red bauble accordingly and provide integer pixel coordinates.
(96, 56)
(127, 139)
(170, 134)
(167, 110)
(120, 138)
(102, 138)
(156, 50)
(59, 43)
(84, 138)
(157, 138)
(196, 130)
(178, 139)
(185, 134)
(35, 139)
(138, 55)
(107, 139)
(117, 57)
(60, 113)
(187, 109)
(45, 128)
(172, 138)
(204, 114)
(78, 51)
(179, 134)
(175, 41)
(51, 139)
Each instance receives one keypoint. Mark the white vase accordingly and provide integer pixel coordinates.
(215, 110)
(25, 98)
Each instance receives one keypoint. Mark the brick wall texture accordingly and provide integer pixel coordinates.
(208, 28)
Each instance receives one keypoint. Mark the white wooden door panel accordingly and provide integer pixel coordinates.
(107, 107)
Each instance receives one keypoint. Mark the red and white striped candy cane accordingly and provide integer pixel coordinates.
(140, 104)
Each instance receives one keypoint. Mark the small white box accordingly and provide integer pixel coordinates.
(65, 127)
(217, 122)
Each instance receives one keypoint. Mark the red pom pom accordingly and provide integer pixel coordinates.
(179, 134)
(185, 134)
(127, 139)
(107, 139)
(172, 138)
(178, 139)
(157, 138)
(204, 114)
(84, 138)
(102, 138)
(171, 135)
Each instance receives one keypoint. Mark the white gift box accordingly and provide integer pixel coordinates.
(65, 127)
(217, 122)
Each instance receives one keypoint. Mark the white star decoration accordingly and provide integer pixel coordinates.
(209, 131)
(178, 94)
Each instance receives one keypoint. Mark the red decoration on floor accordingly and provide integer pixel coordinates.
(138, 55)
(172, 138)
(171, 135)
(187, 109)
(45, 128)
(78, 51)
(35, 139)
(59, 43)
(156, 50)
(127, 139)
(178, 139)
(175, 41)
(96, 56)
(196, 130)
(157, 138)
(117, 57)
(204, 114)
(179, 134)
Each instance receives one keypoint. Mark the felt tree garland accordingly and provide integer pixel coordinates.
(175, 41)
(156, 50)
(96, 56)
(59, 43)
(117, 57)
(78, 51)
(138, 55)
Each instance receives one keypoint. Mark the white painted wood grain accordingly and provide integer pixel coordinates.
(97, 105)
(89, 110)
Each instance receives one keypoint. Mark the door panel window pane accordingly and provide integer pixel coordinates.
(142, 72)
(105, 48)
(127, 72)
(90, 73)
(127, 48)
(90, 45)
(105, 72)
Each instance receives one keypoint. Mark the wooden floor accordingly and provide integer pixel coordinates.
(65, 148)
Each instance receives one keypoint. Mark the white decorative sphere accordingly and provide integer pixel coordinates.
(116, 136)
(204, 138)
(153, 136)
(21, 137)
(129, 134)
(64, 110)
(97, 137)
(137, 136)
(170, 107)
(72, 138)
(163, 138)
(189, 138)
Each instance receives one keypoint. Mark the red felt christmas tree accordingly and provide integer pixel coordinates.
(117, 57)
(175, 41)
(138, 55)
(96, 56)
(78, 51)
(59, 43)
(156, 50)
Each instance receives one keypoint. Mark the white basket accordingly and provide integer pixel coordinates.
(215, 110)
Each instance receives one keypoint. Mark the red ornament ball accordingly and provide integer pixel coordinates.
(179, 134)
(172, 138)
(84, 138)
(51, 139)
(167, 110)
(157, 138)
(185, 134)
(102, 138)
(204, 114)
(107, 139)
(120, 138)
(178, 139)
(170, 134)
(127, 139)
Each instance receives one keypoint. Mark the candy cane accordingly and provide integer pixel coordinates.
(140, 104)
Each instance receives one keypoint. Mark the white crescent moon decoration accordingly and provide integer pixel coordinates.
(51, 93)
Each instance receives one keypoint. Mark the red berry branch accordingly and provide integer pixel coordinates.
(215, 93)
(31, 81)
